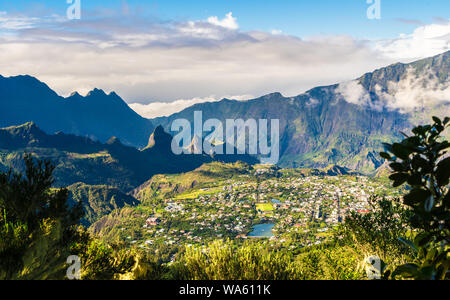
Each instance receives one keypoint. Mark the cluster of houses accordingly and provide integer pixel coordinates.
(152, 221)
(231, 212)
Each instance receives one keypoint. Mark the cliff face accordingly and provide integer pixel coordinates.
(345, 124)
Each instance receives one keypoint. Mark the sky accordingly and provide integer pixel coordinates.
(162, 56)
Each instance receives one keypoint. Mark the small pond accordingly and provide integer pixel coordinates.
(262, 231)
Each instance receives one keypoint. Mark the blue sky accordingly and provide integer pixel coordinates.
(162, 56)
(296, 17)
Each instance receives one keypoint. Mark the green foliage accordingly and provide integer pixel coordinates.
(27, 204)
(38, 230)
(421, 161)
(13, 239)
(332, 262)
(100, 261)
(253, 260)
(430, 261)
(223, 261)
(29, 200)
(378, 231)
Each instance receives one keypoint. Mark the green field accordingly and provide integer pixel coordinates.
(264, 207)
(197, 193)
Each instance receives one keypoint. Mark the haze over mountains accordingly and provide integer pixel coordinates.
(343, 124)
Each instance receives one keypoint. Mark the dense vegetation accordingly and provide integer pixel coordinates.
(39, 231)
(98, 201)
(422, 162)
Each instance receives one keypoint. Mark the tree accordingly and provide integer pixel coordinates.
(39, 231)
(30, 212)
(421, 162)
(30, 199)
(379, 230)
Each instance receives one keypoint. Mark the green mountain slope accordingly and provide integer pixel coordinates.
(79, 159)
(98, 201)
(208, 175)
(344, 124)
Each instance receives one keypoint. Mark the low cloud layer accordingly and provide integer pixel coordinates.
(150, 61)
(425, 41)
(411, 92)
(163, 109)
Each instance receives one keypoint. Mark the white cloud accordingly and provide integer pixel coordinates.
(411, 92)
(169, 62)
(147, 60)
(425, 41)
(228, 22)
(353, 92)
(161, 109)
(276, 31)
(15, 22)
(415, 91)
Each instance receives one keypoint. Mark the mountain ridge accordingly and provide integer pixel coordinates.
(80, 159)
(343, 124)
(25, 98)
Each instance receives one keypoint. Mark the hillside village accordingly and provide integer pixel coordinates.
(293, 209)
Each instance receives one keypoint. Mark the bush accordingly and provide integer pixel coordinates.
(38, 231)
(224, 261)
(421, 162)
(378, 232)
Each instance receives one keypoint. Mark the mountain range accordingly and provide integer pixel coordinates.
(343, 124)
(97, 115)
(81, 159)
(99, 175)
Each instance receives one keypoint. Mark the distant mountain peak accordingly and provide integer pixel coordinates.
(28, 127)
(96, 92)
(401, 87)
(159, 138)
(159, 130)
(25, 86)
(27, 134)
(75, 94)
(274, 95)
(114, 141)
(97, 115)
(25, 77)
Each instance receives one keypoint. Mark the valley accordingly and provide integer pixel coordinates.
(223, 201)
(137, 201)
(207, 146)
